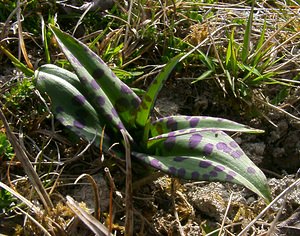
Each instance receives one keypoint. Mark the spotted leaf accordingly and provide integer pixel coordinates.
(188, 124)
(150, 96)
(111, 98)
(199, 168)
(68, 104)
(206, 155)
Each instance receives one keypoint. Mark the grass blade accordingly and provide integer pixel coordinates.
(246, 42)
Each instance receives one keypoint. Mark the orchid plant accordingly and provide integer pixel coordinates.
(189, 147)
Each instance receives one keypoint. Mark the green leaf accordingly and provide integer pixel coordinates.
(196, 123)
(68, 104)
(246, 43)
(258, 52)
(27, 71)
(108, 95)
(228, 53)
(206, 155)
(149, 98)
(207, 61)
(203, 76)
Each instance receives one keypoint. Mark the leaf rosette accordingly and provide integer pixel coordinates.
(190, 147)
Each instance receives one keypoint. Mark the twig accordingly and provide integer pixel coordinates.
(21, 39)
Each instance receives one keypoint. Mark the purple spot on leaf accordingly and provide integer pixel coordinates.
(98, 73)
(78, 124)
(171, 134)
(230, 175)
(221, 145)
(170, 142)
(195, 175)
(135, 102)
(227, 150)
(194, 140)
(155, 163)
(181, 172)
(251, 170)
(101, 61)
(61, 119)
(125, 89)
(114, 112)
(208, 148)
(172, 170)
(205, 164)
(100, 100)
(194, 122)
(171, 124)
(237, 154)
(120, 126)
(83, 79)
(79, 99)
(113, 74)
(219, 168)
(179, 159)
(192, 131)
(233, 144)
(95, 85)
(213, 173)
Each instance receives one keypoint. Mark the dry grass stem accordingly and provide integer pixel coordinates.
(28, 168)
(93, 224)
(96, 193)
